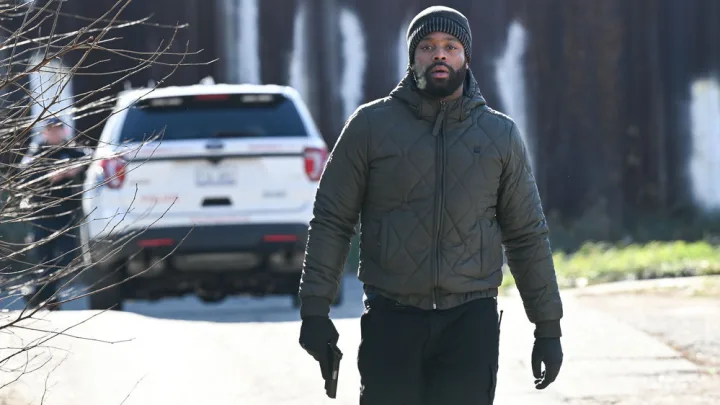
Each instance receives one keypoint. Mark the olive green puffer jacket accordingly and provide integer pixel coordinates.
(439, 188)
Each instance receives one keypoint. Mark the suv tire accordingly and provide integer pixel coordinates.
(111, 298)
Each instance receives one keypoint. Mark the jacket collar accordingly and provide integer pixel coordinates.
(428, 108)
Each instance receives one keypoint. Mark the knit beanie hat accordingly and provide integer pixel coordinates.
(439, 19)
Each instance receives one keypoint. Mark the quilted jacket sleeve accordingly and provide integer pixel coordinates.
(338, 201)
(525, 237)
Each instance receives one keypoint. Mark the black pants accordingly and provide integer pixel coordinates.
(53, 254)
(408, 356)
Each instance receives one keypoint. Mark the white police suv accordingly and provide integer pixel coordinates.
(205, 189)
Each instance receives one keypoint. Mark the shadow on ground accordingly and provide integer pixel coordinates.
(233, 309)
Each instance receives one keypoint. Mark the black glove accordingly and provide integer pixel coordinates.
(548, 351)
(315, 334)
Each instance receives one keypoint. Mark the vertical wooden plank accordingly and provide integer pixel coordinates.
(276, 39)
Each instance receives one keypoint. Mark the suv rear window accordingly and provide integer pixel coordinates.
(212, 116)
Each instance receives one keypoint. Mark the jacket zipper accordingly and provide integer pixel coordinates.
(439, 132)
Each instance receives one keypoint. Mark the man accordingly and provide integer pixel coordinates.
(440, 183)
(53, 168)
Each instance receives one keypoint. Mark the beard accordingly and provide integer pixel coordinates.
(439, 88)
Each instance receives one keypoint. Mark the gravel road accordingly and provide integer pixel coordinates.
(685, 316)
(245, 351)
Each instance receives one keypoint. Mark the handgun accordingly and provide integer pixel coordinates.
(334, 357)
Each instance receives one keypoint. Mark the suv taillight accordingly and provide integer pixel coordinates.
(315, 162)
(113, 172)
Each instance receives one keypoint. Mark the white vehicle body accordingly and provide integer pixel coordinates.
(177, 183)
(229, 161)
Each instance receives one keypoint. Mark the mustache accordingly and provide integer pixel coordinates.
(436, 64)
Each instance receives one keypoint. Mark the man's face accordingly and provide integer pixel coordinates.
(440, 64)
(54, 134)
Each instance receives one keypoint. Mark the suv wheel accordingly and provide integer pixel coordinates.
(339, 297)
(110, 298)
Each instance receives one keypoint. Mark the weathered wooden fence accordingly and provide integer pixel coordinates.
(609, 93)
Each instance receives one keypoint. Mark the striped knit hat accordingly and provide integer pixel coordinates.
(439, 19)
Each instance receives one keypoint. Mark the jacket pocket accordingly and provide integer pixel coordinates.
(391, 255)
(402, 243)
(485, 255)
(491, 257)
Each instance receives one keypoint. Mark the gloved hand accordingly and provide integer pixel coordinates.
(549, 351)
(315, 334)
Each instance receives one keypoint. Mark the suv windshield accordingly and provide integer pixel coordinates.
(212, 116)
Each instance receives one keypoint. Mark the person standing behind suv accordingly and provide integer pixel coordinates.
(440, 182)
(55, 199)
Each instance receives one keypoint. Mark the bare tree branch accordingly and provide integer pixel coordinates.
(43, 49)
